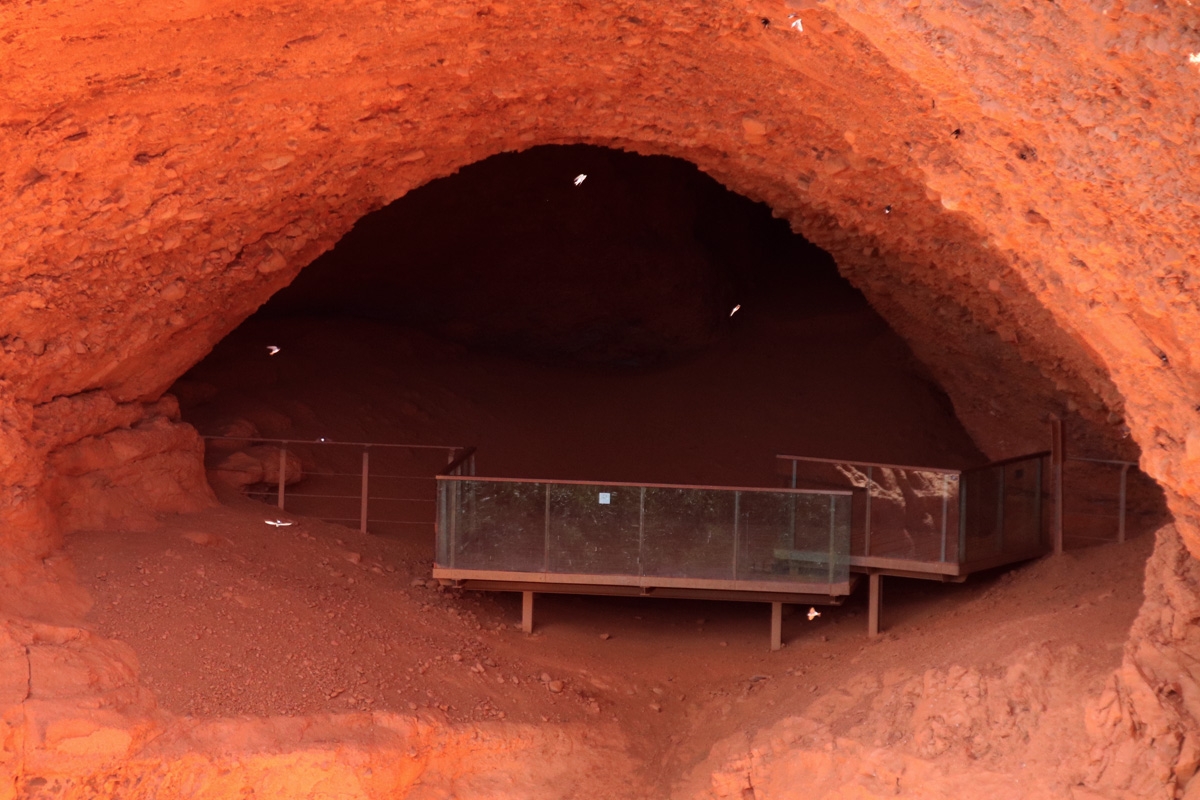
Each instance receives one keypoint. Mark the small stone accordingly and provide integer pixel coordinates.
(545, 677)
(605, 636)
(753, 127)
(279, 162)
(418, 582)
(353, 558)
(555, 686)
(656, 707)
(457, 656)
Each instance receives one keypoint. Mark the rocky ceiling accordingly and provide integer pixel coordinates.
(1012, 185)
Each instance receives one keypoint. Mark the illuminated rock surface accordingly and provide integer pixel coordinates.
(1012, 186)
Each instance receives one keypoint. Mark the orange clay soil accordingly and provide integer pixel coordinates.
(231, 617)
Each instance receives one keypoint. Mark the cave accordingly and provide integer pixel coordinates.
(617, 296)
(1005, 190)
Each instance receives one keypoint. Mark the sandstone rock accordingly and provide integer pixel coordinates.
(239, 469)
(231, 433)
(268, 457)
(129, 476)
(1146, 724)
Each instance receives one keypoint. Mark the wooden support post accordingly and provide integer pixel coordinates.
(1056, 470)
(527, 612)
(776, 626)
(876, 586)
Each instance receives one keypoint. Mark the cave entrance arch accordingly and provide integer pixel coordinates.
(623, 278)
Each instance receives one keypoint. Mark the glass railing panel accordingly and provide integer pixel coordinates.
(910, 511)
(841, 477)
(618, 530)
(1023, 502)
(446, 491)
(688, 533)
(594, 530)
(982, 525)
(793, 537)
(499, 526)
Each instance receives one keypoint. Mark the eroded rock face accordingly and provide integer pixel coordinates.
(1011, 185)
(1146, 724)
(999, 180)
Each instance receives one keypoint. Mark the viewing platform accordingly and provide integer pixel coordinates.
(808, 543)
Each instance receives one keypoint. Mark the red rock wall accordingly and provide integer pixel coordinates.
(1011, 184)
(167, 170)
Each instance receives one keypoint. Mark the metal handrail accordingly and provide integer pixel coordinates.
(463, 457)
(1006, 461)
(364, 496)
(1100, 460)
(331, 441)
(635, 485)
(859, 463)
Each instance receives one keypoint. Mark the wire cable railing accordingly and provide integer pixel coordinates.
(421, 480)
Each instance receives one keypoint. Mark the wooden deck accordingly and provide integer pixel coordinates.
(775, 592)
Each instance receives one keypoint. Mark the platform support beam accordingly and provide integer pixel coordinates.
(776, 626)
(876, 587)
(527, 612)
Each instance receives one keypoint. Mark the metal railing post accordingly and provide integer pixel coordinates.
(867, 515)
(439, 524)
(1057, 456)
(945, 510)
(832, 534)
(282, 473)
(1000, 511)
(1121, 504)
(963, 482)
(546, 554)
(642, 531)
(453, 516)
(737, 503)
(362, 513)
(1037, 504)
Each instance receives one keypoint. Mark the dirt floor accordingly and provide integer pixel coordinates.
(231, 616)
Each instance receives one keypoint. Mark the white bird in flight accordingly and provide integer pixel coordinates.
(580, 178)
(813, 614)
(278, 523)
(272, 349)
